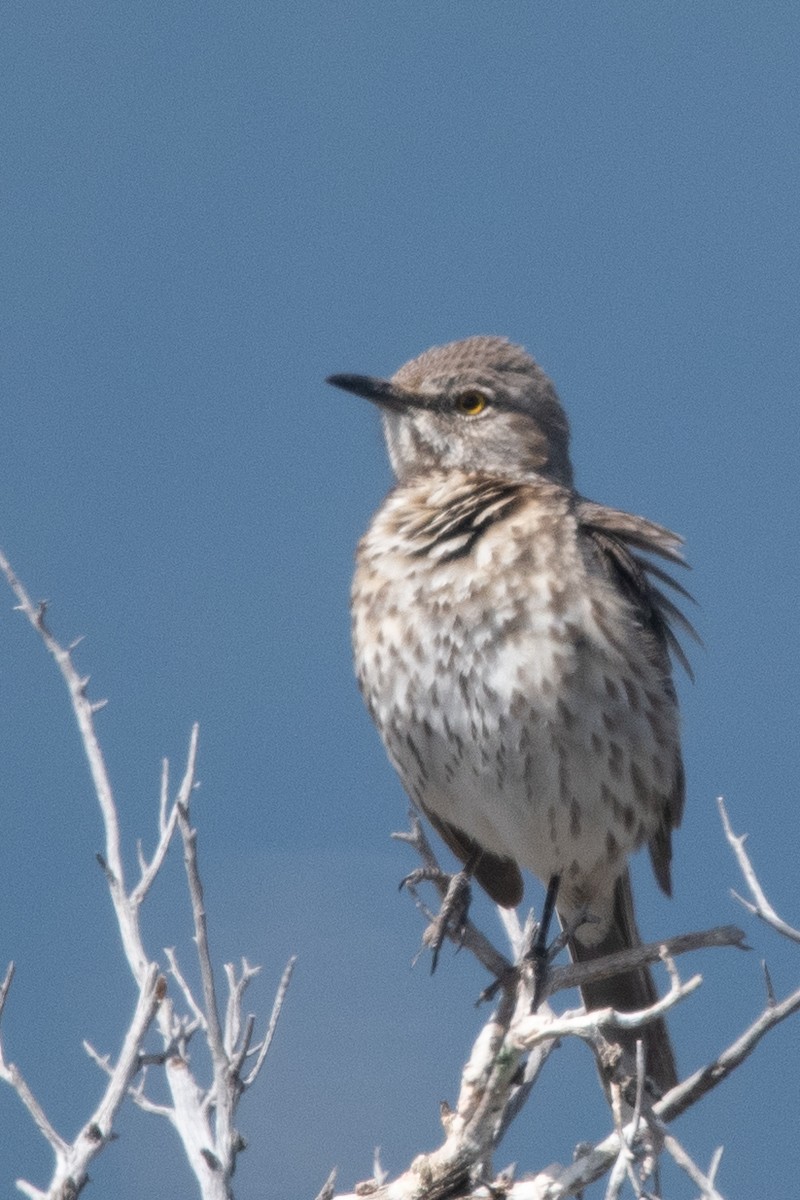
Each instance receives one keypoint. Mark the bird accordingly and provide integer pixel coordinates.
(514, 644)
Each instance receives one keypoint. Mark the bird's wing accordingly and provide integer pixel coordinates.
(622, 542)
(618, 535)
(499, 877)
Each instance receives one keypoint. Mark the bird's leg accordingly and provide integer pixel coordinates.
(451, 920)
(540, 944)
(540, 953)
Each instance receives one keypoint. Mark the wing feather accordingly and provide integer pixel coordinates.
(616, 537)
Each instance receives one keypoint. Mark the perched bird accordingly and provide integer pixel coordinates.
(512, 646)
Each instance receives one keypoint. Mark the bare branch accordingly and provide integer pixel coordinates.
(543, 1026)
(177, 975)
(619, 1172)
(84, 715)
(760, 906)
(464, 1157)
(623, 1168)
(277, 1005)
(13, 1076)
(213, 1026)
(136, 1094)
(103, 1061)
(33, 1193)
(4, 987)
(239, 1055)
(687, 1164)
(72, 1160)
(233, 1010)
(689, 1092)
(590, 1167)
(577, 974)
(189, 781)
(487, 1102)
(151, 869)
(163, 796)
(211, 1156)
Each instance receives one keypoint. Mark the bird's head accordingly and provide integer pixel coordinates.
(478, 405)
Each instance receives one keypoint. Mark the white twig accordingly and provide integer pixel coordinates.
(163, 796)
(151, 869)
(13, 1076)
(591, 1166)
(624, 1166)
(136, 1094)
(216, 1045)
(240, 1053)
(619, 1172)
(379, 1175)
(177, 975)
(760, 905)
(277, 1005)
(5, 985)
(127, 915)
(687, 1164)
(690, 1090)
(72, 1160)
(542, 1026)
(212, 1154)
(233, 1009)
(103, 1061)
(327, 1189)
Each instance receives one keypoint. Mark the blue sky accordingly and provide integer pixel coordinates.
(206, 210)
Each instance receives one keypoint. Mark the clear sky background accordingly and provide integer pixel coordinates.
(206, 209)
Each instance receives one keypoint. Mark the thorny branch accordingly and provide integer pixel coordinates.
(203, 1116)
(760, 906)
(72, 1159)
(496, 1080)
(504, 1064)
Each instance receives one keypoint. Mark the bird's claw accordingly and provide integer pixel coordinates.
(451, 920)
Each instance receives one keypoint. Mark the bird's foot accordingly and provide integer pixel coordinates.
(540, 954)
(451, 920)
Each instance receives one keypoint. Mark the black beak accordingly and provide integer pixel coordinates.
(380, 391)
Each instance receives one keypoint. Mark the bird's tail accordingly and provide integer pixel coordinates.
(629, 992)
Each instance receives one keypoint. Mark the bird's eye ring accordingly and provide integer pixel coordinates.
(471, 403)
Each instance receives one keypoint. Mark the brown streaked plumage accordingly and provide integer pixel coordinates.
(512, 645)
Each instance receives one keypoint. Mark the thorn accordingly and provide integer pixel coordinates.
(771, 1001)
(326, 1192)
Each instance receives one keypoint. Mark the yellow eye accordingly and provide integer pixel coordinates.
(470, 404)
